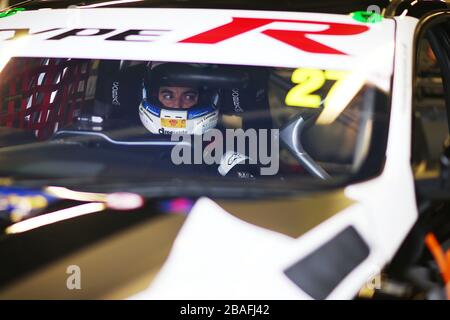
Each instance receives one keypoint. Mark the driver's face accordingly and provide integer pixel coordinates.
(178, 97)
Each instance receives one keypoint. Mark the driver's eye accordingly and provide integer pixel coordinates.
(190, 97)
(167, 96)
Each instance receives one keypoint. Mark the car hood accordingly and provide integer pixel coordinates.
(227, 248)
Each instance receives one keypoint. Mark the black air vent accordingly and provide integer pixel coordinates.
(321, 271)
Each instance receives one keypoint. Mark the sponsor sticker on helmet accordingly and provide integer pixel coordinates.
(173, 123)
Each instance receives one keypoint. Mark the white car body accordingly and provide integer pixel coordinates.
(216, 255)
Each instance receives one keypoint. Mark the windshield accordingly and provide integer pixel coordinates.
(121, 121)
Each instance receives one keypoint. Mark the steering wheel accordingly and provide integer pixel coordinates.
(291, 136)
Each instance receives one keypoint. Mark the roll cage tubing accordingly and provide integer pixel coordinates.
(440, 43)
(439, 40)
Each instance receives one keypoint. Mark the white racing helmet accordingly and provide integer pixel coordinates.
(159, 119)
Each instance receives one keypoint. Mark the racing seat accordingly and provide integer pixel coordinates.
(119, 93)
(119, 90)
(250, 101)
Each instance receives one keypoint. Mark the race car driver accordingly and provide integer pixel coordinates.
(176, 100)
(180, 98)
